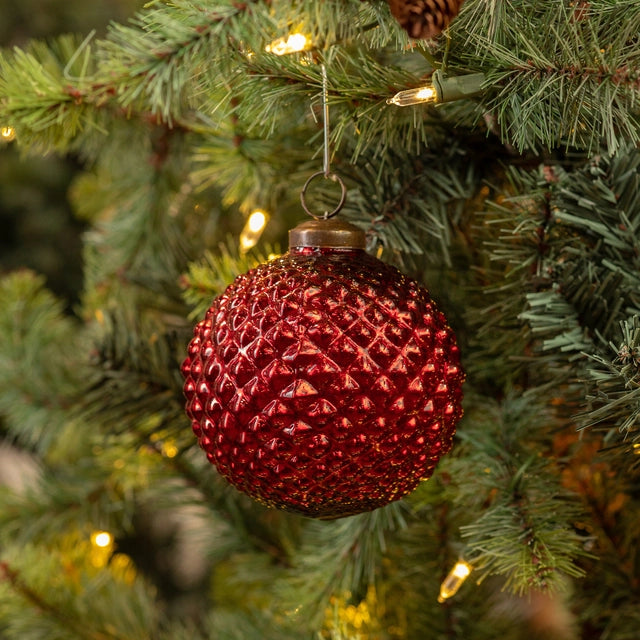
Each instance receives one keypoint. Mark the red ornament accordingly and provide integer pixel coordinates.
(324, 382)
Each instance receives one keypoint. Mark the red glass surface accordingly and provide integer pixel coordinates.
(324, 382)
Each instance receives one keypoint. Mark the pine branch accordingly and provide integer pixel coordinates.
(154, 66)
(85, 604)
(336, 557)
(136, 367)
(562, 75)
(38, 602)
(46, 93)
(141, 231)
(227, 624)
(573, 80)
(570, 254)
(74, 88)
(525, 531)
(209, 277)
(613, 403)
(156, 57)
(99, 488)
(359, 81)
(40, 361)
(412, 209)
(250, 172)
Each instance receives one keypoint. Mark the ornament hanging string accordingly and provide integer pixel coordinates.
(326, 172)
(325, 120)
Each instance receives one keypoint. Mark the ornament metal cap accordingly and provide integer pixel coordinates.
(329, 233)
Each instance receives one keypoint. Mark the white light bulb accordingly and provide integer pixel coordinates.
(454, 580)
(7, 133)
(292, 44)
(101, 539)
(257, 221)
(252, 230)
(414, 96)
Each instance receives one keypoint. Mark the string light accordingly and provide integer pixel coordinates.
(169, 449)
(454, 580)
(414, 96)
(7, 133)
(253, 229)
(102, 539)
(123, 568)
(293, 43)
(102, 545)
(441, 89)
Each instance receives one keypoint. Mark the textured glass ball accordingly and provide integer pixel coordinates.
(324, 382)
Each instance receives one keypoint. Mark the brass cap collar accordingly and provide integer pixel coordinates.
(330, 233)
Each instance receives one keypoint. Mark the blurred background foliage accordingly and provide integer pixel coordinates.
(38, 228)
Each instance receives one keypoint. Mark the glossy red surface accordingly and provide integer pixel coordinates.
(324, 382)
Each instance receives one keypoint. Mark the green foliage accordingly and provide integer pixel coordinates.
(526, 532)
(519, 209)
(411, 203)
(561, 74)
(57, 502)
(614, 402)
(570, 81)
(40, 361)
(44, 91)
(55, 593)
(135, 361)
(229, 625)
(209, 277)
(24, 19)
(338, 557)
(569, 255)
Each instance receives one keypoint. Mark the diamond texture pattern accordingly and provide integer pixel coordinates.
(324, 382)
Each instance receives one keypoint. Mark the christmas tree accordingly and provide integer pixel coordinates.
(488, 149)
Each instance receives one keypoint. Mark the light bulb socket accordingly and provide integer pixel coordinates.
(449, 88)
(327, 233)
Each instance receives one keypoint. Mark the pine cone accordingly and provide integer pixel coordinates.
(423, 19)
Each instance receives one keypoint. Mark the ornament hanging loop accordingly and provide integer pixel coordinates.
(326, 171)
(329, 176)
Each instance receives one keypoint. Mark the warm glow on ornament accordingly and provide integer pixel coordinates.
(324, 382)
(454, 580)
(293, 43)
